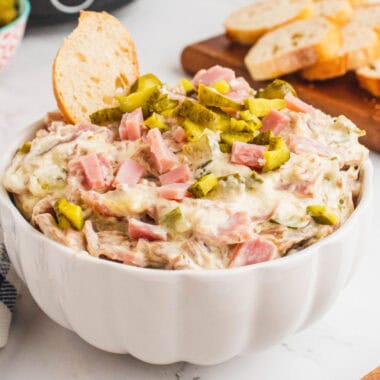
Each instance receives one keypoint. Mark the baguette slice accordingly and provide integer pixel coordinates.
(247, 24)
(357, 3)
(367, 15)
(96, 62)
(369, 77)
(338, 11)
(293, 47)
(361, 46)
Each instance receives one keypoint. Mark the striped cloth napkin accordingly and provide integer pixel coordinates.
(9, 288)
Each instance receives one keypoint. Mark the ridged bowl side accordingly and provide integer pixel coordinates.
(203, 317)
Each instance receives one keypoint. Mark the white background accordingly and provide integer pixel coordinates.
(344, 345)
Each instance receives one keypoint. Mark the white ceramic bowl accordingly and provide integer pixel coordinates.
(202, 317)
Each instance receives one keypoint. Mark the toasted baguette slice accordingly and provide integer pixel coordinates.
(369, 77)
(357, 3)
(247, 24)
(338, 11)
(96, 62)
(293, 47)
(361, 46)
(367, 15)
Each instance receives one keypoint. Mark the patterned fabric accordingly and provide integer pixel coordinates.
(9, 41)
(9, 285)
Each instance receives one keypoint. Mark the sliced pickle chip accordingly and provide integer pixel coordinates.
(106, 116)
(144, 82)
(276, 90)
(203, 186)
(322, 215)
(212, 98)
(197, 113)
(261, 107)
(230, 137)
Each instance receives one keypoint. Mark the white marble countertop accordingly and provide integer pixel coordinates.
(344, 345)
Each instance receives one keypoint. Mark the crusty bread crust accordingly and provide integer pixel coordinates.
(296, 56)
(328, 69)
(96, 62)
(361, 46)
(248, 34)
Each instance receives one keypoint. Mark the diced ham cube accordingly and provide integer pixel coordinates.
(179, 135)
(141, 230)
(247, 154)
(97, 170)
(237, 230)
(296, 104)
(129, 173)
(275, 121)
(240, 84)
(180, 174)
(131, 125)
(301, 144)
(237, 96)
(254, 251)
(164, 159)
(240, 90)
(213, 75)
(174, 191)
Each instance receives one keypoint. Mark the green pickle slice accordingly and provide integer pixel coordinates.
(156, 121)
(263, 138)
(322, 215)
(222, 86)
(25, 147)
(188, 87)
(276, 90)
(197, 113)
(174, 222)
(199, 152)
(137, 99)
(68, 214)
(160, 103)
(203, 186)
(106, 116)
(193, 131)
(212, 98)
(230, 137)
(261, 107)
(276, 155)
(144, 82)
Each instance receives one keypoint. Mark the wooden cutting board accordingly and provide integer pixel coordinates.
(336, 96)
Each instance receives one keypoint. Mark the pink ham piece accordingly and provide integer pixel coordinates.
(179, 135)
(240, 84)
(141, 230)
(97, 170)
(180, 174)
(129, 173)
(254, 251)
(247, 154)
(296, 104)
(164, 159)
(174, 191)
(131, 125)
(213, 75)
(301, 144)
(237, 230)
(275, 121)
(240, 90)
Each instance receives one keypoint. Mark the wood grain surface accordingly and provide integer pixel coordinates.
(336, 96)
